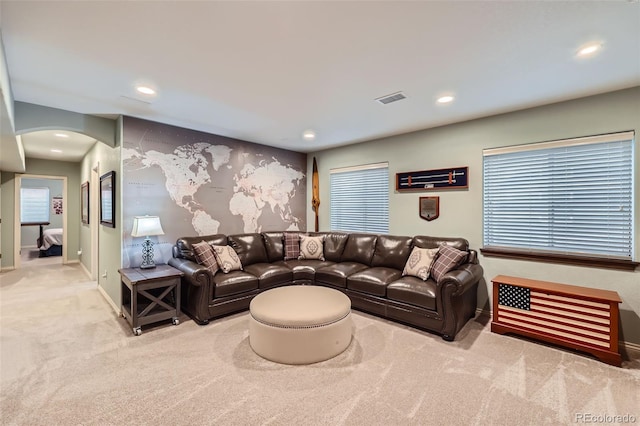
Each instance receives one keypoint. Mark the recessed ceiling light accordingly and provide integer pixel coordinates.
(145, 90)
(57, 151)
(445, 99)
(589, 49)
(309, 135)
(62, 135)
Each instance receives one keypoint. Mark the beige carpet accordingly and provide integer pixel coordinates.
(68, 360)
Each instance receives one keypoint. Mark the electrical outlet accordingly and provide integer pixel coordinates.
(105, 274)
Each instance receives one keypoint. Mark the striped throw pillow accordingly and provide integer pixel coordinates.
(203, 253)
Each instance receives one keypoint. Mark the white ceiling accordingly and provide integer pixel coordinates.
(266, 71)
(40, 144)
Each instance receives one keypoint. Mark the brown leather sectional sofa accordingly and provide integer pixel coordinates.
(368, 268)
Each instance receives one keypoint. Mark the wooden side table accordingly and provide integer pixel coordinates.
(150, 295)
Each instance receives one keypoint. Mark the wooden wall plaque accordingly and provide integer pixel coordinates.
(429, 208)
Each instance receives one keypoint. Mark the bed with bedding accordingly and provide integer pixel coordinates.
(50, 243)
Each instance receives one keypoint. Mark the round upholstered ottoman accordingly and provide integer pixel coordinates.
(300, 324)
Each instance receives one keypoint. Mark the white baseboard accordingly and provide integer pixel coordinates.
(71, 262)
(108, 299)
(7, 269)
(483, 313)
(632, 350)
(84, 268)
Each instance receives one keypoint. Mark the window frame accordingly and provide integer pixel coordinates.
(575, 258)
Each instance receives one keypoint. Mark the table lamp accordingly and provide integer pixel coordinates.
(147, 226)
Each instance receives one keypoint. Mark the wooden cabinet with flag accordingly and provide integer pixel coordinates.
(580, 318)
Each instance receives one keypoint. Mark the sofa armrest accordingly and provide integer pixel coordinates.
(463, 278)
(458, 297)
(195, 274)
(197, 289)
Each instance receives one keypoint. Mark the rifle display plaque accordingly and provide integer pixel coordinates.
(439, 179)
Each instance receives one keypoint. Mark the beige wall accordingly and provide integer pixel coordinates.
(109, 239)
(461, 211)
(7, 181)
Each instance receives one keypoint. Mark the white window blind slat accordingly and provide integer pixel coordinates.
(34, 205)
(573, 197)
(359, 200)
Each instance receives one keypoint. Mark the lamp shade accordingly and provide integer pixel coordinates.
(146, 226)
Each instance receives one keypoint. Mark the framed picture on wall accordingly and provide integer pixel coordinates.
(84, 203)
(108, 199)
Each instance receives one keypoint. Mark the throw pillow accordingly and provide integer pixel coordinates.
(227, 258)
(291, 246)
(311, 247)
(203, 253)
(448, 259)
(419, 262)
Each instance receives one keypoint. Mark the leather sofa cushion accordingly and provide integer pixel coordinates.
(250, 248)
(336, 275)
(413, 291)
(334, 243)
(184, 246)
(373, 280)
(270, 275)
(392, 251)
(434, 242)
(359, 249)
(305, 269)
(274, 246)
(234, 282)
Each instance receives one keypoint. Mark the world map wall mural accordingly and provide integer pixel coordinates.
(203, 184)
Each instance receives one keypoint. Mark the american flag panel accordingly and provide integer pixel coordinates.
(584, 321)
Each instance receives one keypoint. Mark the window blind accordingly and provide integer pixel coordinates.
(359, 200)
(34, 205)
(571, 197)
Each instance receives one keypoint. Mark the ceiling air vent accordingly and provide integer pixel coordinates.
(391, 98)
(135, 100)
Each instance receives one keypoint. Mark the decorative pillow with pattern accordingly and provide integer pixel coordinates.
(419, 262)
(227, 258)
(291, 246)
(311, 247)
(448, 259)
(203, 253)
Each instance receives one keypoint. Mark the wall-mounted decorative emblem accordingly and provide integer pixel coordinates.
(439, 179)
(429, 208)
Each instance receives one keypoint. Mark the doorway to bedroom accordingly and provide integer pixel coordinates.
(41, 204)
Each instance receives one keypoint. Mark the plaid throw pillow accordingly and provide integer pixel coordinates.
(291, 246)
(448, 258)
(419, 263)
(311, 247)
(203, 253)
(227, 258)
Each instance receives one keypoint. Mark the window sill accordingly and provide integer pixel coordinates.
(568, 259)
